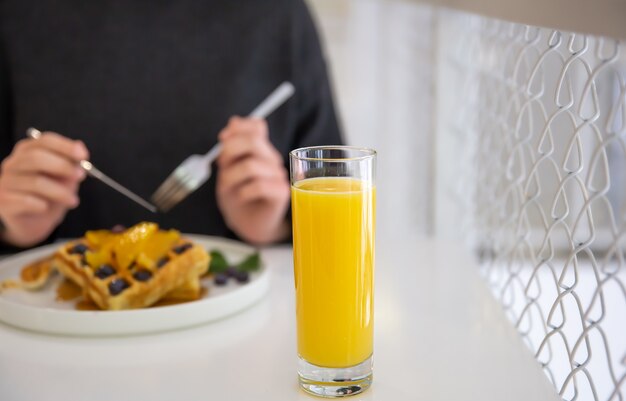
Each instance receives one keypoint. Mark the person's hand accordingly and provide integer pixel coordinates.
(252, 182)
(39, 183)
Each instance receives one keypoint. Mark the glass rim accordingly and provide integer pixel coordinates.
(368, 153)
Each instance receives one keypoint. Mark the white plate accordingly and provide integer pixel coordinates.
(39, 311)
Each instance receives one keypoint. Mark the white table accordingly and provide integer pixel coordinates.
(439, 336)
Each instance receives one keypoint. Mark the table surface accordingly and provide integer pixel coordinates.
(439, 335)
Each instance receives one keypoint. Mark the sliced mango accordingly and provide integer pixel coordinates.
(143, 244)
(99, 238)
(144, 261)
(99, 257)
(160, 243)
(132, 242)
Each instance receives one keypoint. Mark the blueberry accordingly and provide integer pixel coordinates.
(79, 249)
(117, 286)
(142, 275)
(220, 279)
(162, 262)
(231, 271)
(182, 248)
(105, 271)
(242, 276)
(118, 228)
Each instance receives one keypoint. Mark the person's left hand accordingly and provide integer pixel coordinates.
(252, 182)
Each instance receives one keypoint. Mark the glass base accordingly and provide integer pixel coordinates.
(335, 382)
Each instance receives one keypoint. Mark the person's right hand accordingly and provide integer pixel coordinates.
(39, 183)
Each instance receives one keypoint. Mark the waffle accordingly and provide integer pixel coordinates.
(133, 269)
(33, 276)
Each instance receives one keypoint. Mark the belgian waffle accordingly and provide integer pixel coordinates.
(133, 281)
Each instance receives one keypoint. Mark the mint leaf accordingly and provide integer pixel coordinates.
(251, 263)
(218, 262)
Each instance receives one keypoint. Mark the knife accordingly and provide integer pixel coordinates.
(92, 171)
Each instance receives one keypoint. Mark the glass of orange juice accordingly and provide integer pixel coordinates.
(333, 201)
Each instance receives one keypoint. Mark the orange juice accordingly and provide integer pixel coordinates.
(333, 230)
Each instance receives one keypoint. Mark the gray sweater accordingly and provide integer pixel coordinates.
(145, 83)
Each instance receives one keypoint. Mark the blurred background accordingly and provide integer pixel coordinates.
(504, 129)
(381, 60)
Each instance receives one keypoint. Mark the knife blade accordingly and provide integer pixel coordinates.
(92, 171)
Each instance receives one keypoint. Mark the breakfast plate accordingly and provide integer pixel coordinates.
(41, 311)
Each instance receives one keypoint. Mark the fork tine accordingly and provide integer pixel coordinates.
(159, 192)
(171, 182)
(161, 195)
(175, 197)
(158, 199)
(166, 185)
(186, 185)
(165, 200)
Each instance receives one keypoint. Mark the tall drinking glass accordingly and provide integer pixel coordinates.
(333, 199)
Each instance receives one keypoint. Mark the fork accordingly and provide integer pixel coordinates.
(195, 170)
